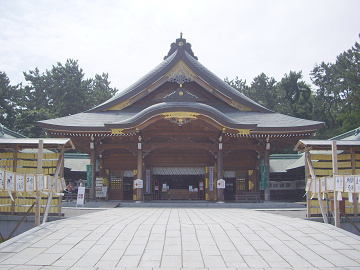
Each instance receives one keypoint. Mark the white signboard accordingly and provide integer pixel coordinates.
(349, 183)
(323, 184)
(29, 183)
(147, 181)
(40, 182)
(339, 183)
(80, 196)
(99, 185)
(317, 186)
(2, 177)
(138, 183)
(211, 178)
(357, 184)
(20, 182)
(9, 181)
(221, 183)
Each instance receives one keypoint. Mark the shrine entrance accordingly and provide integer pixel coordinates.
(180, 183)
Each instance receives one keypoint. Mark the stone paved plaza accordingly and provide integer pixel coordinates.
(182, 238)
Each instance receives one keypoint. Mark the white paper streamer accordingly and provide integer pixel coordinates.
(11, 196)
(339, 197)
(32, 194)
(22, 195)
(312, 196)
(323, 196)
(350, 198)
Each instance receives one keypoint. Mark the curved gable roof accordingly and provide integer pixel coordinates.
(180, 50)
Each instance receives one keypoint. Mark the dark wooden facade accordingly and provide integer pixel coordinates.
(177, 125)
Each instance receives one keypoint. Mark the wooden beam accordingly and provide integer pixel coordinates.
(313, 176)
(16, 149)
(93, 170)
(56, 175)
(353, 171)
(335, 171)
(38, 193)
(267, 162)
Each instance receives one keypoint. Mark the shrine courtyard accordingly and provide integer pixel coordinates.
(177, 238)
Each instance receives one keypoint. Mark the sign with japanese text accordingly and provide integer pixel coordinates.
(220, 183)
(147, 181)
(211, 178)
(88, 175)
(138, 183)
(339, 183)
(80, 196)
(349, 183)
(264, 176)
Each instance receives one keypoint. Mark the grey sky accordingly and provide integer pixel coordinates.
(128, 38)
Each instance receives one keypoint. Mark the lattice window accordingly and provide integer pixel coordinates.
(128, 173)
(179, 171)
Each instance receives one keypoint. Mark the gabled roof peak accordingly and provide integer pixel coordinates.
(180, 45)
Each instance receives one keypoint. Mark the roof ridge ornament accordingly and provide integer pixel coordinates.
(180, 73)
(180, 44)
(181, 94)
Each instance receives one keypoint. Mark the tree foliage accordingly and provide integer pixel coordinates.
(9, 99)
(334, 99)
(337, 93)
(63, 90)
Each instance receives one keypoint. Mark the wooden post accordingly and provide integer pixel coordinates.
(353, 171)
(56, 175)
(139, 191)
(313, 177)
(16, 148)
(335, 171)
(93, 169)
(308, 197)
(38, 193)
(61, 174)
(220, 171)
(267, 162)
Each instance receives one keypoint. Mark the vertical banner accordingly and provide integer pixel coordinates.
(147, 181)
(211, 178)
(264, 178)
(80, 196)
(88, 175)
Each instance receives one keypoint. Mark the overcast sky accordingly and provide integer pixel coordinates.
(129, 38)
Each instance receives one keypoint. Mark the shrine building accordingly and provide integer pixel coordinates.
(180, 128)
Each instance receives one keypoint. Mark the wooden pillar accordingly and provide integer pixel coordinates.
(38, 193)
(335, 171)
(220, 172)
(61, 174)
(93, 169)
(267, 162)
(313, 177)
(16, 148)
(353, 171)
(139, 191)
(308, 195)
